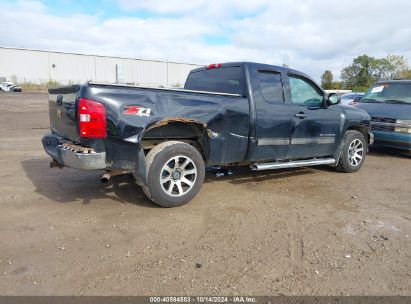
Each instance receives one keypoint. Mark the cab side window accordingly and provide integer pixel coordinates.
(304, 92)
(271, 86)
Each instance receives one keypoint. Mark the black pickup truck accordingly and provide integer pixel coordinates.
(231, 114)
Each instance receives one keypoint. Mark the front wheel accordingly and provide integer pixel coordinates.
(353, 152)
(175, 173)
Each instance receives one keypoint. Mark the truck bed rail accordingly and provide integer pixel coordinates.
(162, 89)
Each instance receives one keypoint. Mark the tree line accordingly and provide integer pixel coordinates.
(365, 70)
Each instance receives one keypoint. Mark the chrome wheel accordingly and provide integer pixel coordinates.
(355, 152)
(178, 175)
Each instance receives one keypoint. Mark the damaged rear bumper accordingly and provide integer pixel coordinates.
(71, 155)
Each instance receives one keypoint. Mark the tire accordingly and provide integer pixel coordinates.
(175, 173)
(353, 152)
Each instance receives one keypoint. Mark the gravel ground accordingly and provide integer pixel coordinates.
(307, 231)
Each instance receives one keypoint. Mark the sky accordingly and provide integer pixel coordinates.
(308, 35)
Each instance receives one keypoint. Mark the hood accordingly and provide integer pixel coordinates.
(354, 112)
(386, 110)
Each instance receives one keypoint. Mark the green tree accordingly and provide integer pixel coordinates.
(390, 67)
(365, 70)
(383, 69)
(398, 65)
(337, 85)
(327, 80)
(405, 74)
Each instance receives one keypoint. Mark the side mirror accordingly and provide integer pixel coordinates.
(333, 99)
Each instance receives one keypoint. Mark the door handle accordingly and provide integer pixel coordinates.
(300, 115)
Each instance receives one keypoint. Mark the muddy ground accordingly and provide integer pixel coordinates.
(309, 231)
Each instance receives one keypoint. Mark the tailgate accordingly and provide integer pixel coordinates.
(63, 112)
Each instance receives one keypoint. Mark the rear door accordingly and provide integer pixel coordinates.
(273, 114)
(314, 126)
(63, 112)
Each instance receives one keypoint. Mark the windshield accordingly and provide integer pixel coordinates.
(399, 92)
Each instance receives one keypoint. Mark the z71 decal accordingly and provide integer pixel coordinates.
(137, 110)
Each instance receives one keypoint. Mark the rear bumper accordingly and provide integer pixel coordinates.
(392, 139)
(73, 156)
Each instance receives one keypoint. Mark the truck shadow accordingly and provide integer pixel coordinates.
(68, 185)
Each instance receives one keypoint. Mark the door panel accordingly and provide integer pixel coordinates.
(314, 127)
(315, 134)
(273, 125)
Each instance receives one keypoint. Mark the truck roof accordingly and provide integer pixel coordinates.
(258, 65)
(394, 81)
(241, 63)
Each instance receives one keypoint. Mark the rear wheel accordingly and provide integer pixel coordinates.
(175, 173)
(353, 152)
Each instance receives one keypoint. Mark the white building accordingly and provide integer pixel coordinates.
(36, 66)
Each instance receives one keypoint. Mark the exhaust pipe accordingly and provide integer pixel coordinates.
(106, 176)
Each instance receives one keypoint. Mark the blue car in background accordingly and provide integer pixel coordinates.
(351, 98)
(389, 105)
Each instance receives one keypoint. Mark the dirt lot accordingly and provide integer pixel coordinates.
(295, 232)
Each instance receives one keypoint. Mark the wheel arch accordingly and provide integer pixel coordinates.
(359, 128)
(362, 129)
(189, 131)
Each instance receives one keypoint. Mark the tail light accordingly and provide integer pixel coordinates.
(92, 119)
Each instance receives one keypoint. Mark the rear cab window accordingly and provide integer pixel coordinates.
(221, 80)
(271, 86)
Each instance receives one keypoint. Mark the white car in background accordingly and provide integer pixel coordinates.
(350, 99)
(9, 86)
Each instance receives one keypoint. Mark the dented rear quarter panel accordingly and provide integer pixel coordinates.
(224, 117)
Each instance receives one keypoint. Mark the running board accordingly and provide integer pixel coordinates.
(293, 164)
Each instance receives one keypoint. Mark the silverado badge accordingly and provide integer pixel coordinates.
(137, 110)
